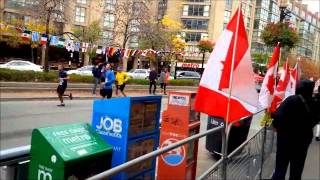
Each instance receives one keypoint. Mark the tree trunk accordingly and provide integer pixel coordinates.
(46, 56)
(125, 64)
(86, 59)
(43, 55)
(135, 63)
(172, 66)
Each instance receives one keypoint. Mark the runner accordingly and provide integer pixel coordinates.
(63, 78)
(121, 79)
(108, 75)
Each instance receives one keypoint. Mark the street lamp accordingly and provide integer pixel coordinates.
(284, 12)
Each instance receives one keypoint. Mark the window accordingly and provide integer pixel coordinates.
(24, 3)
(134, 43)
(303, 14)
(27, 19)
(195, 24)
(82, 1)
(228, 4)
(227, 15)
(107, 37)
(110, 5)
(134, 26)
(80, 14)
(193, 36)
(10, 16)
(185, 10)
(195, 10)
(108, 20)
(199, 0)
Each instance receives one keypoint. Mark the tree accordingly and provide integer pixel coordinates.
(309, 69)
(46, 12)
(12, 33)
(164, 35)
(91, 34)
(280, 32)
(204, 46)
(129, 18)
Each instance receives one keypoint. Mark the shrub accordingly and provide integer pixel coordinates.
(183, 82)
(80, 79)
(31, 76)
(138, 81)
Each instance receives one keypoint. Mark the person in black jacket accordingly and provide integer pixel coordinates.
(153, 81)
(294, 121)
(96, 72)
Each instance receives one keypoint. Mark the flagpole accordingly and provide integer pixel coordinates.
(226, 128)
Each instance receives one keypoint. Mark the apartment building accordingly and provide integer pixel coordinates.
(203, 19)
(79, 14)
(305, 22)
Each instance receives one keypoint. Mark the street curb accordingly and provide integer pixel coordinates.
(43, 99)
(53, 98)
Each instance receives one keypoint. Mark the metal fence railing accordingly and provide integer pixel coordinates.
(253, 159)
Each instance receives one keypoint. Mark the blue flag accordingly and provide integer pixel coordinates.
(77, 46)
(35, 36)
(53, 40)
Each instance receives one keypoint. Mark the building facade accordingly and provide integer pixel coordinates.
(204, 19)
(306, 23)
(79, 14)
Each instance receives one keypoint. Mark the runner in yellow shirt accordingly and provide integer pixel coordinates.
(121, 79)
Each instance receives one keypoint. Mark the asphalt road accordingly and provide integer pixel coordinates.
(19, 118)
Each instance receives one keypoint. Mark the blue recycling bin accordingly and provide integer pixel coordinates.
(131, 126)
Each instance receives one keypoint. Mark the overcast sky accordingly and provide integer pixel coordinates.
(313, 5)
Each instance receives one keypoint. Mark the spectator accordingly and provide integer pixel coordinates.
(96, 71)
(153, 81)
(63, 78)
(121, 79)
(294, 121)
(109, 78)
(164, 78)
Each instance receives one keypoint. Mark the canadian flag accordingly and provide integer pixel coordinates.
(268, 85)
(285, 87)
(295, 74)
(213, 92)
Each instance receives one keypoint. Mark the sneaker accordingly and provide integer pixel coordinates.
(70, 96)
(61, 105)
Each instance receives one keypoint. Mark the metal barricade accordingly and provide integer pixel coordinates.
(253, 159)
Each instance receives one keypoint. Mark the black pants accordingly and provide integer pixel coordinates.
(154, 84)
(106, 92)
(290, 150)
(163, 86)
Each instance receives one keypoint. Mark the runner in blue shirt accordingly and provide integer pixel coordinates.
(106, 90)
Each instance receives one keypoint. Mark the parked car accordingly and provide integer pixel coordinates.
(22, 66)
(187, 75)
(83, 71)
(139, 73)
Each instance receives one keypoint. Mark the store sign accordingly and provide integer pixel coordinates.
(179, 100)
(174, 157)
(190, 65)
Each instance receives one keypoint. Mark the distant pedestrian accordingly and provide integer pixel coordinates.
(294, 121)
(96, 72)
(153, 81)
(164, 78)
(63, 82)
(121, 79)
(109, 79)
